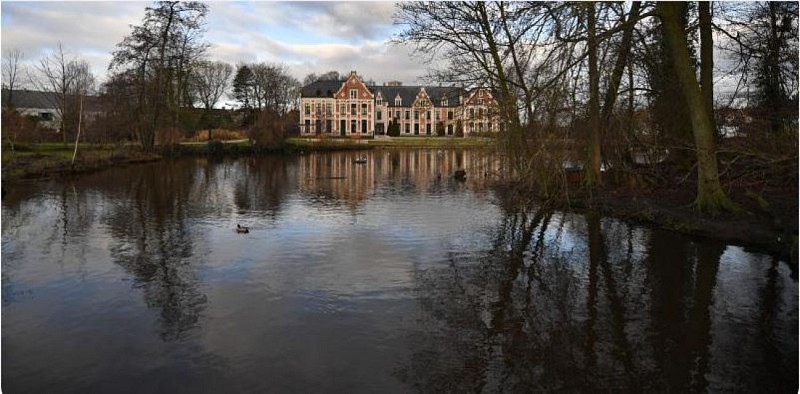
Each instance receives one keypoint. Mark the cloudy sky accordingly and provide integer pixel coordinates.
(307, 36)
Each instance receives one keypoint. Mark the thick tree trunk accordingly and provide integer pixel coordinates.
(594, 155)
(710, 196)
(706, 59)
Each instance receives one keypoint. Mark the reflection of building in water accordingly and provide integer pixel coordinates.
(336, 175)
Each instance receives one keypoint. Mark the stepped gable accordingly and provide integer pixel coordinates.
(408, 94)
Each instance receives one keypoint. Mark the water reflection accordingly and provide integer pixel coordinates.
(600, 306)
(387, 276)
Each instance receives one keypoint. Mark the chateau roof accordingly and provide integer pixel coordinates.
(408, 94)
(322, 89)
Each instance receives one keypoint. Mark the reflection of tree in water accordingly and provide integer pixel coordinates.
(151, 242)
(593, 305)
(262, 183)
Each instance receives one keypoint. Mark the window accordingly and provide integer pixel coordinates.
(363, 126)
(379, 102)
(378, 115)
(329, 109)
(352, 109)
(408, 128)
(308, 109)
(342, 109)
(428, 129)
(480, 113)
(416, 115)
(353, 94)
(437, 115)
(328, 125)
(471, 127)
(416, 128)
(398, 101)
(342, 126)
(471, 113)
(363, 109)
(353, 126)
(319, 108)
(449, 129)
(428, 115)
(408, 115)
(308, 126)
(449, 115)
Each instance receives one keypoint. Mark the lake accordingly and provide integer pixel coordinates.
(388, 276)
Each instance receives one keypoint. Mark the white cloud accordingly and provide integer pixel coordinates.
(307, 36)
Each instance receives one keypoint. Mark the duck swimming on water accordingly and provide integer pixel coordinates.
(242, 229)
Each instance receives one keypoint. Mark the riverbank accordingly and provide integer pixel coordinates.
(55, 159)
(32, 161)
(767, 222)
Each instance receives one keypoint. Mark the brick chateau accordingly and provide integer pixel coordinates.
(352, 108)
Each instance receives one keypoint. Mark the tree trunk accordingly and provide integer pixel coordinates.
(706, 59)
(78, 135)
(710, 196)
(594, 155)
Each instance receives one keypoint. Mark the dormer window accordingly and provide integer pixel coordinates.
(353, 93)
(379, 101)
(398, 101)
(444, 101)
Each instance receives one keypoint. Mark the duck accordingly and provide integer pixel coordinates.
(242, 229)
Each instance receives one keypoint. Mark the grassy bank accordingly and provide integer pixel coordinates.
(55, 159)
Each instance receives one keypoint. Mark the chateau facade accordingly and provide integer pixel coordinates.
(352, 108)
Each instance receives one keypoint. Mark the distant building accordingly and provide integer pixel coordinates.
(352, 108)
(44, 106)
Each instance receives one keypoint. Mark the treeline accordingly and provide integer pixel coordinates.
(623, 80)
(162, 87)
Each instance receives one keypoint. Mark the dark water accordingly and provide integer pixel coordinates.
(390, 280)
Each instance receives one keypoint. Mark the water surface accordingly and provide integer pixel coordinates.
(383, 277)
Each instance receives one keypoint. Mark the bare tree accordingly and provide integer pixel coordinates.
(210, 81)
(160, 54)
(83, 84)
(11, 68)
(55, 74)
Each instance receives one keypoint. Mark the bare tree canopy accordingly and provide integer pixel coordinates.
(210, 81)
(12, 66)
(159, 55)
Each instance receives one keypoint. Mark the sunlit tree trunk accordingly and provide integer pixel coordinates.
(710, 196)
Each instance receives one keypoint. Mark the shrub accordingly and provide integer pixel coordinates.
(459, 129)
(271, 129)
(393, 129)
(219, 134)
(215, 148)
(440, 129)
(169, 136)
